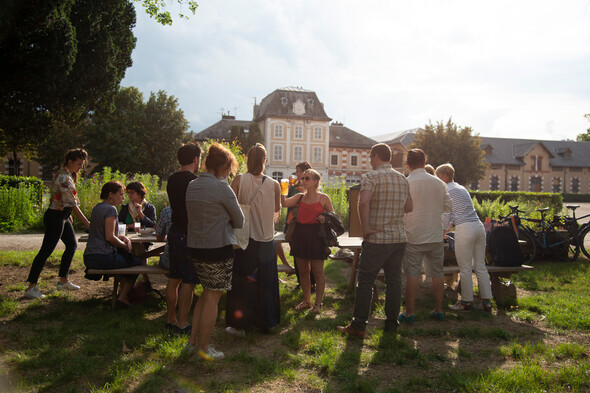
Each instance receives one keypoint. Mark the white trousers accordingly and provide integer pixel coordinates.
(470, 248)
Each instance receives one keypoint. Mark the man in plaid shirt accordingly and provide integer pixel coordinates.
(384, 199)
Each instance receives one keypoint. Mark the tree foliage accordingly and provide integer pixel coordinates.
(62, 60)
(157, 9)
(444, 143)
(585, 137)
(138, 136)
(246, 139)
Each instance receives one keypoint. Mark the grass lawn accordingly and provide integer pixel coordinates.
(74, 342)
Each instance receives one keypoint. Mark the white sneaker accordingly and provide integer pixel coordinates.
(34, 293)
(212, 354)
(232, 331)
(68, 285)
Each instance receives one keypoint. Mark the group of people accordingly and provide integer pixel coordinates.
(403, 222)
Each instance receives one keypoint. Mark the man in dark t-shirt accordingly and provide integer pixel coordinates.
(183, 276)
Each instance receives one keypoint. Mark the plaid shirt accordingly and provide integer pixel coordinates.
(390, 191)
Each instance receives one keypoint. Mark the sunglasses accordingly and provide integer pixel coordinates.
(307, 178)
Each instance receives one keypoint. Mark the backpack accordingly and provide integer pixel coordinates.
(504, 247)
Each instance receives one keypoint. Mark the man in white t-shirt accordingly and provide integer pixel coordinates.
(424, 230)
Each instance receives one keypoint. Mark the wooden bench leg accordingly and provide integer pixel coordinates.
(497, 289)
(354, 268)
(116, 281)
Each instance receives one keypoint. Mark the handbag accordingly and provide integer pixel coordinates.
(292, 222)
(243, 233)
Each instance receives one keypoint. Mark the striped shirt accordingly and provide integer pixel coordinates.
(390, 191)
(462, 210)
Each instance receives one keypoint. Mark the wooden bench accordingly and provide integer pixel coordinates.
(144, 269)
(496, 273)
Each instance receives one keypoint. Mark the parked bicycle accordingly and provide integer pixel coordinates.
(544, 236)
(581, 231)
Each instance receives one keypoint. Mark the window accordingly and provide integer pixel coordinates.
(279, 131)
(334, 159)
(298, 132)
(536, 183)
(277, 153)
(352, 180)
(354, 160)
(474, 185)
(537, 164)
(317, 155)
(514, 182)
(317, 133)
(556, 186)
(298, 153)
(13, 167)
(277, 176)
(575, 185)
(494, 183)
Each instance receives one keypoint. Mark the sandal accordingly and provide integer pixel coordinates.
(303, 306)
(317, 308)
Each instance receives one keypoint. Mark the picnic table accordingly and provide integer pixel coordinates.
(138, 243)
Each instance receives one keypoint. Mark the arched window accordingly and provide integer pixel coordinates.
(536, 183)
(277, 176)
(575, 188)
(494, 183)
(514, 183)
(277, 153)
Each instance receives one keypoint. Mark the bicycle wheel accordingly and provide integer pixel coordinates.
(563, 245)
(584, 241)
(527, 245)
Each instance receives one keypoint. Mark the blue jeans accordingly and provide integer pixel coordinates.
(117, 260)
(375, 257)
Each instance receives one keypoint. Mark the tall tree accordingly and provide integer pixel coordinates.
(444, 143)
(62, 60)
(138, 136)
(585, 137)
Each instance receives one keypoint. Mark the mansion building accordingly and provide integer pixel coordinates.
(295, 127)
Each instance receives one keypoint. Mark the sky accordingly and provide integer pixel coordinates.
(510, 69)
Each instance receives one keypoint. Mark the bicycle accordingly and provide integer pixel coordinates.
(562, 244)
(580, 230)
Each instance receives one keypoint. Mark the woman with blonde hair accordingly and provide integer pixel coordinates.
(307, 246)
(254, 297)
(213, 212)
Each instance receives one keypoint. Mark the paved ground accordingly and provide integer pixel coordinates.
(32, 241)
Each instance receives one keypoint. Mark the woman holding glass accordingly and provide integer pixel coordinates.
(306, 246)
(213, 212)
(138, 210)
(58, 223)
(107, 248)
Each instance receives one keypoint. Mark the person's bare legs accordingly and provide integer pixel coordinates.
(438, 288)
(412, 284)
(124, 287)
(185, 300)
(305, 281)
(171, 299)
(317, 266)
(196, 318)
(207, 319)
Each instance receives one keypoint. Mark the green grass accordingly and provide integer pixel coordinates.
(63, 344)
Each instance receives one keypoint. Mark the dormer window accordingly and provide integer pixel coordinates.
(488, 149)
(309, 102)
(284, 100)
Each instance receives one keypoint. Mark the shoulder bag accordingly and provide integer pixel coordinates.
(292, 221)
(243, 233)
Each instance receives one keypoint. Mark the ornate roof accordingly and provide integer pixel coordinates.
(293, 102)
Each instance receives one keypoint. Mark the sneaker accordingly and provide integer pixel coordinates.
(34, 293)
(68, 285)
(232, 331)
(185, 331)
(439, 316)
(461, 306)
(188, 350)
(406, 318)
(211, 355)
(485, 305)
(349, 330)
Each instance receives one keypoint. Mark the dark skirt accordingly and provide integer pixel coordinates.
(254, 297)
(307, 243)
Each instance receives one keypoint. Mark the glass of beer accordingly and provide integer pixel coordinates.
(136, 226)
(284, 186)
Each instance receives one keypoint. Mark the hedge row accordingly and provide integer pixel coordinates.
(23, 181)
(540, 199)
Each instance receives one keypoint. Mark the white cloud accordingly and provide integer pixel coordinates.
(507, 68)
